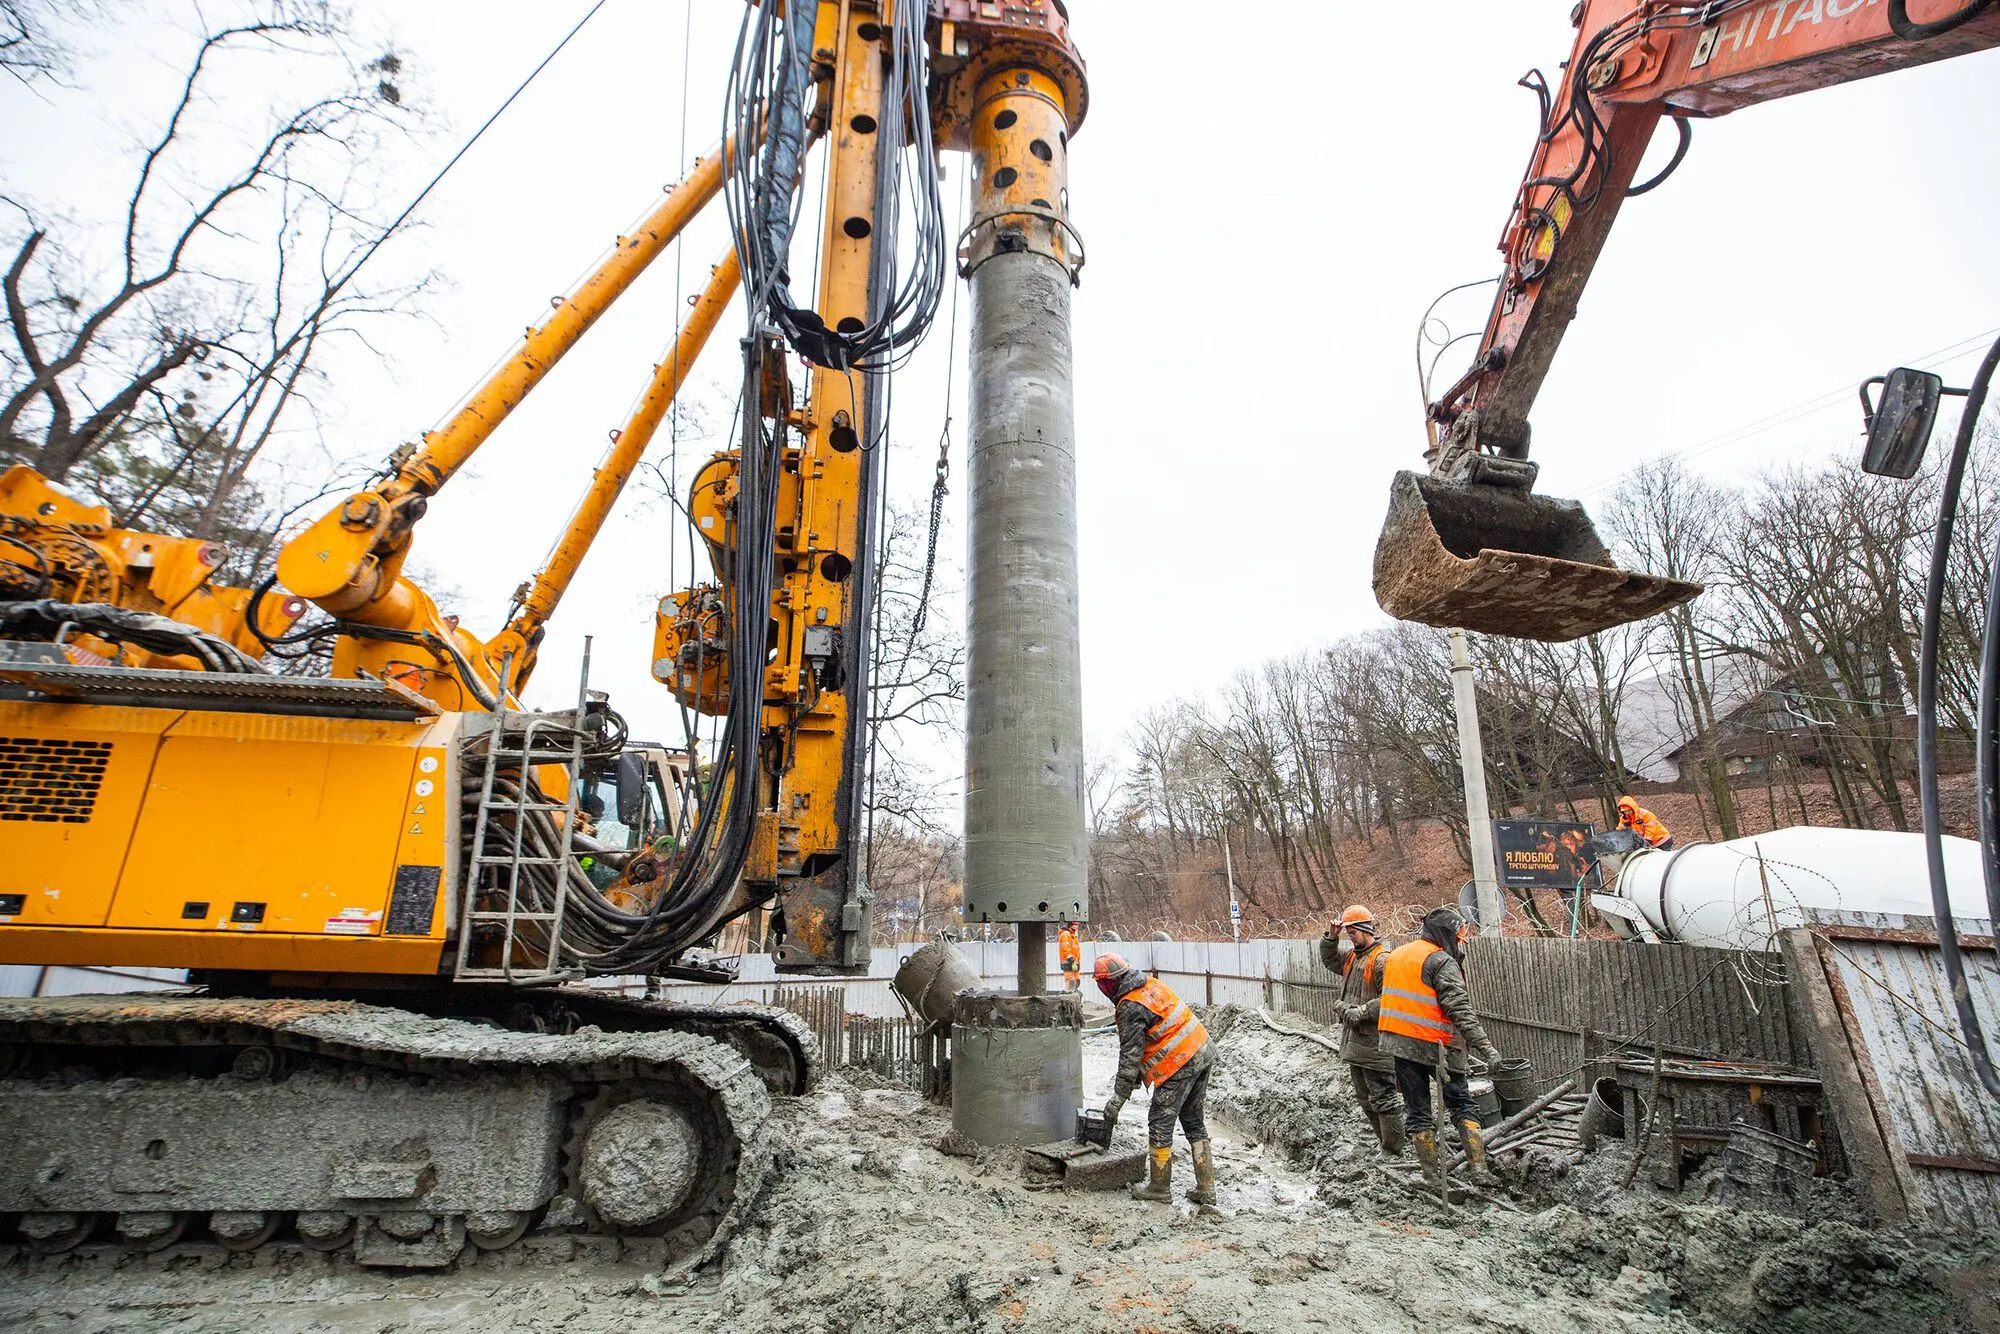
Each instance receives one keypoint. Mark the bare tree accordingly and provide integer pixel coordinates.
(31, 47)
(1673, 522)
(916, 692)
(162, 381)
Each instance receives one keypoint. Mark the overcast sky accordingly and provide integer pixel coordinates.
(1269, 204)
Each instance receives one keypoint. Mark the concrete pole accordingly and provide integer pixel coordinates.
(1229, 878)
(1024, 809)
(1472, 763)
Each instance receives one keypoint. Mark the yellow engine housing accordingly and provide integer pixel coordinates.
(180, 838)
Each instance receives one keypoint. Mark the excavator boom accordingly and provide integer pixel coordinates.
(1469, 545)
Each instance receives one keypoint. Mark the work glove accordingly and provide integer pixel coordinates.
(1112, 1107)
(1491, 1055)
(1342, 1012)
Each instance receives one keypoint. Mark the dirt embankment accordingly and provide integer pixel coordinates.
(865, 1227)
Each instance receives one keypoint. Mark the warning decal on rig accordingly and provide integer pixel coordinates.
(352, 922)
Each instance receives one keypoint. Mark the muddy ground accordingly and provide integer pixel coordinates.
(867, 1225)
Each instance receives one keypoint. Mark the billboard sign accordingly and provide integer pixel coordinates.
(1541, 854)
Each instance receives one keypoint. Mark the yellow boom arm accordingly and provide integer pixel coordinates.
(350, 561)
(518, 643)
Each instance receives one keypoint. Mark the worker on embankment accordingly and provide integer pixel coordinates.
(1162, 1045)
(1427, 1023)
(1361, 966)
(1633, 816)
(1071, 955)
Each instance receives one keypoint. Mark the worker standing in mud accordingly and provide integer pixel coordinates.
(1633, 816)
(1161, 1044)
(1071, 956)
(1427, 1023)
(1361, 957)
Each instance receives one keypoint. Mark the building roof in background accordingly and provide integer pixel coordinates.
(1655, 720)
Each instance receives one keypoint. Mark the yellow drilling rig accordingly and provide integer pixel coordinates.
(390, 884)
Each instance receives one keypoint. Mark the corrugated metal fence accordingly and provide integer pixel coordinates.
(1565, 1003)
(1938, 1125)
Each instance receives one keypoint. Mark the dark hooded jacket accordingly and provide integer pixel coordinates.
(1361, 996)
(1443, 975)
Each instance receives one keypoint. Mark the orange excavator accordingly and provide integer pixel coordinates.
(1468, 545)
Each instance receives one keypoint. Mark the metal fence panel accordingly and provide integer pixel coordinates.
(1905, 1029)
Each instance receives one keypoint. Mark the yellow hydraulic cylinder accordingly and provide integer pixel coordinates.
(349, 560)
(524, 632)
(449, 446)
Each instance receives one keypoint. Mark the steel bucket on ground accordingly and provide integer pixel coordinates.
(1604, 1115)
(1514, 1081)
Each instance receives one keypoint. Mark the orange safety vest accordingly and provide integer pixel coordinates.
(1072, 957)
(1647, 826)
(1172, 1038)
(1375, 955)
(1409, 1008)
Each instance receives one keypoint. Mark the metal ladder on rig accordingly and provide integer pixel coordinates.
(521, 742)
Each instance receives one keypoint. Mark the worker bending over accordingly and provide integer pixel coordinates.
(1427, 1023)
(1361, 957)
(1160, 1044)
(1071, 955)
(1633, 816)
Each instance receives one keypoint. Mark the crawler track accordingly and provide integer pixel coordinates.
(405, 1136)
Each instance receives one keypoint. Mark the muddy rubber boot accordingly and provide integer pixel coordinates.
(1159, 1177)
(1203, 1193)
(1426, 1145)
(1390, 1127)
(1476, 1166)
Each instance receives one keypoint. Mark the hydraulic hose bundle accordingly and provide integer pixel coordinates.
(1988, 740)
(768, 84)
(46, 619)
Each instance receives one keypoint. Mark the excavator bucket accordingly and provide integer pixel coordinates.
(1503, 561)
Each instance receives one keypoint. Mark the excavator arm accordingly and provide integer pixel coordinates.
(1469, 545)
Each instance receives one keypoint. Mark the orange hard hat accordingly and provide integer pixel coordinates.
(1356, 915)
(1108, 966)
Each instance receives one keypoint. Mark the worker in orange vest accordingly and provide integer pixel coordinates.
(1427, 1023)
(1361, 965)
(1071, 955)
(1161, 1044)
(1633, 816)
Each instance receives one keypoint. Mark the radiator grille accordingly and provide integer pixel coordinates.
(50, 781)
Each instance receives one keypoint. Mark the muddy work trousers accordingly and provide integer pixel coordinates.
(1375, 1089)
(1415, 1082)
(1182, 1098)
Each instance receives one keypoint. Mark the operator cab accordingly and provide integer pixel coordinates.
(635, 802)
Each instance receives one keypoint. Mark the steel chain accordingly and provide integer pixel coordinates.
(938, 492)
